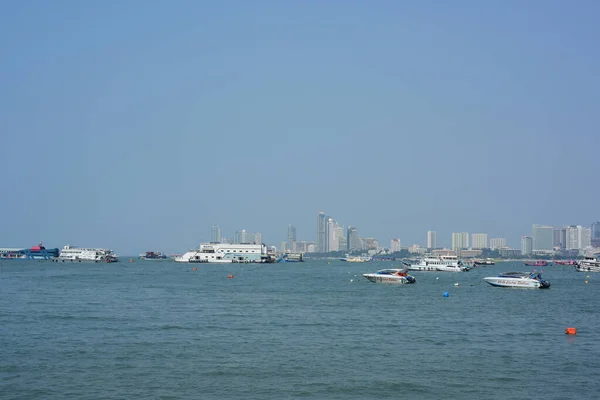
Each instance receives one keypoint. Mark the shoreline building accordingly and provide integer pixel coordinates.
(460, 240)
(543, 237)
(526, 245)
(291, 238)
(497, 243)
(479, 241)
(321, 245)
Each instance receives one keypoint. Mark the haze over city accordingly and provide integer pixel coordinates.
(139, 125)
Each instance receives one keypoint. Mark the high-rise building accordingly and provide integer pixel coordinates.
(321, 245)
(371, 243)
(526, 245)
(479, 241)
(237, 237)
(497, 243)
(431, 242)
(460, 240)
(578, 237)
(291, 237)
(595, 240)
(215, 234)
(244, 236)
(560, 238)
(331, 240)
(257, 238)
(395, 245)
(543, 237)
(351, 238)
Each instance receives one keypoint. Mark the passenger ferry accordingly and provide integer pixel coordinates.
(220, 253)
(291, 257)
(588, 264)
(441, 263)
(73, 253)
(38, 252)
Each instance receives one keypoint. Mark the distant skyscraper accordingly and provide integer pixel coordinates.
(321, 245)
(332, 239)
(237, 237)
(578, 237)
(526, 245)
(257, 238)
(543, 237)
(395, 245)
(479, 241)
(460, 240)
(497, 243)
(291, 237)
(215, 234)
(560, 238)
(595, 240)
(244, 237)
(371, 243)
(431, 240)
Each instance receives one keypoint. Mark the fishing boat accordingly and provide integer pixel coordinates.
(519, 279)
(391, 275)
(538, 263)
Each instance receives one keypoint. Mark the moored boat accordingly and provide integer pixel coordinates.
(391, 275)
(291, 257)
(152, 255)
(356, 258)
(441, 263)
(588, 264)
(222, 253)
(38, 252)
(538, 263)
(484, 262)
(79, 254)
(532, 280)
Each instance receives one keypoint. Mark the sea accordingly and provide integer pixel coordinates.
(311, 330)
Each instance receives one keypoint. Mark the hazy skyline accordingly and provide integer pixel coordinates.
(138, 125)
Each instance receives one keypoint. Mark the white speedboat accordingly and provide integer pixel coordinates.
(391, 275)
(588, 264)
(356, 259)
(519, 279)
(441, 263)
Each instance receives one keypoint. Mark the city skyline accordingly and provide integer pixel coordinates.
(138, 131)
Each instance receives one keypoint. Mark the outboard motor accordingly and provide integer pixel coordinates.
(544, 284)
(411, 279)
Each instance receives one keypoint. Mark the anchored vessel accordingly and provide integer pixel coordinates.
(153, 255)
(38, 252)
(228, 253)
(518, 279)
(588, 264)
(291, 257)
(391, 275)
(73, 253)
(441, 263)
(356, 259)
(538, 263)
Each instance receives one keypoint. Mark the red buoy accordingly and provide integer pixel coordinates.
(230, 276)
(571, 331)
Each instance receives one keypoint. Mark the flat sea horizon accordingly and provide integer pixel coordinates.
(313, 330)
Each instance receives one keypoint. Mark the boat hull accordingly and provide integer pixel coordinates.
(515, 282)
(389, 279)
(583, 266)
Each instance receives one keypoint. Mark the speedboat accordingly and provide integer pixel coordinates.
(519, 279)
(391, 275)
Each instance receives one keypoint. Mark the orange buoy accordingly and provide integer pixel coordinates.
(230, 276)
(571, 331)
(194, 269)
(131, 260)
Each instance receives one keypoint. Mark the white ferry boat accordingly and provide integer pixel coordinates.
(441, 263)
(73, 253)
(228, 253)
(357, 259)
(588, 264)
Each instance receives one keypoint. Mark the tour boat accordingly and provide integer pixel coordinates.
(519, 279)
(588, 264)
(538, 263)
(441, 263)
(391, 275)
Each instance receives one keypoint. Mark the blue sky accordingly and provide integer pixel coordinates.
(137, 125)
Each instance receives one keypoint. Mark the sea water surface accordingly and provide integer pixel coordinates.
(312, 330)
